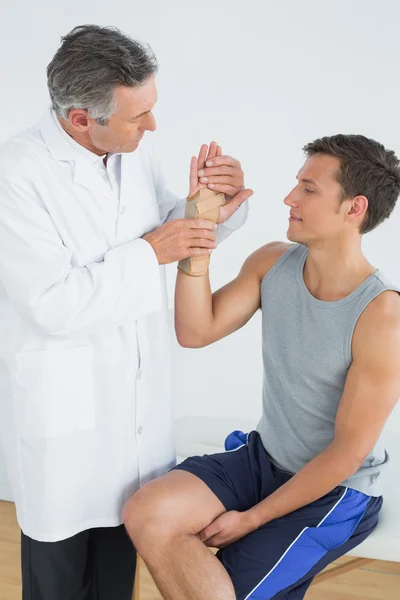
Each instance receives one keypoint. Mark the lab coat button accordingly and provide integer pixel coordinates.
(140, 430)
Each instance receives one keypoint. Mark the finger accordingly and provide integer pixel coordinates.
(193, 176)
(241, 197)
(219, 151)
(222, 170)
(202, 156)
(207, 234)
(223, 179)
(230, 207)
(199, 224)
(213, 542)
(208, 532)
(212, 152)
(203, 535)
(202, 243)
(199, 252)
(223, 160)
(228, 190)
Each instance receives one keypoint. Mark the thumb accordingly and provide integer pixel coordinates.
(193, 177)
(228, 209)
(209, 531)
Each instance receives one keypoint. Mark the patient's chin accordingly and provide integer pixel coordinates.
(292, 237)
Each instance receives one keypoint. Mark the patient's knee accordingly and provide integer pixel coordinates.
(147, 518)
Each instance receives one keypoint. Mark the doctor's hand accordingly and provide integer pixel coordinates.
(220, 174)
(182, 238)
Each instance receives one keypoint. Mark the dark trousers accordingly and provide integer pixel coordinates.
(98, 564)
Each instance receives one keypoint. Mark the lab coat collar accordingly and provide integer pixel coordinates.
(64, 148)
(58, 142)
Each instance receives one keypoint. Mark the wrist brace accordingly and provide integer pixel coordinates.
(203, 205)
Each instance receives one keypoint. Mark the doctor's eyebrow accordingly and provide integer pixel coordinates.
(141, 115)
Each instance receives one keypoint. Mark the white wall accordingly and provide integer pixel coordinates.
(262, 78)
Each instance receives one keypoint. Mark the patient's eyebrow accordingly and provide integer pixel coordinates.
(305, 180)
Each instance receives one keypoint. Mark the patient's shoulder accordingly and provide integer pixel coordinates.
(263, 259)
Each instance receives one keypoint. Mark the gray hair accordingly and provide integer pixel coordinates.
(90, 63)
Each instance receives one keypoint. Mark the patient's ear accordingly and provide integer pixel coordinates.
(357, 209)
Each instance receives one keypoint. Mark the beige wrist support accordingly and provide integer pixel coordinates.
(203, 205)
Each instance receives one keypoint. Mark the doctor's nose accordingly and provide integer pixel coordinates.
(150, 123)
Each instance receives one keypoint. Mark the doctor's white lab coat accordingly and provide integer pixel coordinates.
(85, 410)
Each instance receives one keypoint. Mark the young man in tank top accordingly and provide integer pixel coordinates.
(284, 501)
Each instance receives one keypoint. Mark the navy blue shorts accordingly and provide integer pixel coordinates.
(280, 559)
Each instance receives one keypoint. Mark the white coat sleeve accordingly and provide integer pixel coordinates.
(54, 296)
(173, 207)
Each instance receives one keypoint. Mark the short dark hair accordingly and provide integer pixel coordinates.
(367, 169)
(90, 63)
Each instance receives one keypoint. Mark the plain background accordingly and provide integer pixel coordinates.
(260, 77)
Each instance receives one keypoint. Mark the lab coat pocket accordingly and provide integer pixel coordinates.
(55, 392)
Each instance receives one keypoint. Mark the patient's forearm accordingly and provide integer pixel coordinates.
(318, 477)
(194, 317)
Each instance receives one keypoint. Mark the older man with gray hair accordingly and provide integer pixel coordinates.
(86, 227)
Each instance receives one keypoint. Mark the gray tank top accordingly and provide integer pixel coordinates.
(306, 356)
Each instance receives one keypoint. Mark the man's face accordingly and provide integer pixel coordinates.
(317, 213)
(128, 123)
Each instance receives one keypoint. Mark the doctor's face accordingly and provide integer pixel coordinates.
(132, 118)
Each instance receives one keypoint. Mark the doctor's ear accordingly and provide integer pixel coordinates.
(79, 119)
